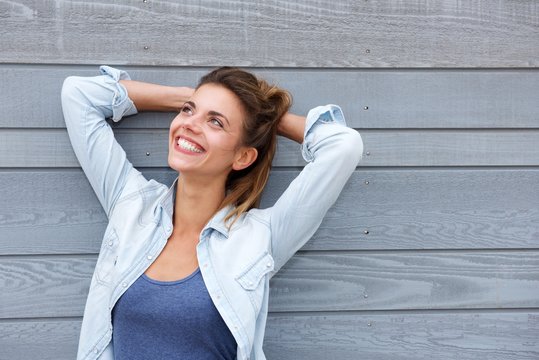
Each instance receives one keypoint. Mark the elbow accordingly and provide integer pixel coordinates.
(74, 99)
(352, 146)
(69, 88)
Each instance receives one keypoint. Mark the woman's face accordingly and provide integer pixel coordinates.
(205, 137)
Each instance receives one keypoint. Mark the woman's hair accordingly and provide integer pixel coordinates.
(264, 105)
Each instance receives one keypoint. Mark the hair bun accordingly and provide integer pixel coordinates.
(278, 100)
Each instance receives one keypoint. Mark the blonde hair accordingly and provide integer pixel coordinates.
(264, 105)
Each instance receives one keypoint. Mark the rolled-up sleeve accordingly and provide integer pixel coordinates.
(86, 103)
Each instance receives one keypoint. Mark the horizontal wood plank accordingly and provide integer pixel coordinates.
(54, 339)
(404, 336)
(371, 99)
(148, 148)
(407, 336)
(57, 285)
(387, 281)
(44, 287)
(373, 33)
(427, 209)
(56, 212)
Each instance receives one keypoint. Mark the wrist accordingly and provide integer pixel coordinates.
(182, 94)
(292, 127)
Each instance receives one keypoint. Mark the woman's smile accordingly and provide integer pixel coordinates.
(188, 146)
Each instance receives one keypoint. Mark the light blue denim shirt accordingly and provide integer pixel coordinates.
(236, 264)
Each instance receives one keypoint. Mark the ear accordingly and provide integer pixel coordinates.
(244, 158)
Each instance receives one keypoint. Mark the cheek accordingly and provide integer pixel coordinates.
(174, 125)
(226, 144)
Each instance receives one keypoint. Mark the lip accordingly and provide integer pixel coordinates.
(184, 151)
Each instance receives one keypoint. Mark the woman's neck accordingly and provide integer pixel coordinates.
(196, 202)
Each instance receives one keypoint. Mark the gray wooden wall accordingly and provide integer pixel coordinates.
(432, 250)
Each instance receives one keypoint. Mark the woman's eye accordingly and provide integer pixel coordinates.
(187, 110)
(216, 122)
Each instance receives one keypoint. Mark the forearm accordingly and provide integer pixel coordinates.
(153, 97)
(292, 126)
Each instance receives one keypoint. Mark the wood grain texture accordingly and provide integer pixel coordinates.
(56, 212)
(427, 209)
(409, 336)
(44, 287)
(387, 281)
(39, 339)
(30, 95)
(404, 336)
(57, 285)
(53, 212)
(376, 33)
(386, 148)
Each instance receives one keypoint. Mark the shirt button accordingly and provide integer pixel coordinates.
(268, 264)
(110, 243)
(124, 284)
(95, 350)
(168, 229)
(149, 257)
(250, 283)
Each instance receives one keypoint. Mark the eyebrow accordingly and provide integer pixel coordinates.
(211, 112)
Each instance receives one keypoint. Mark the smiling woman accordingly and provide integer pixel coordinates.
(183, 272)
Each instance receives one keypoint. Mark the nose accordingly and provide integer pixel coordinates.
(190, 123)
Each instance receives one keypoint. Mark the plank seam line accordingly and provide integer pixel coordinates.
(362, 168)
(41, 319)
(404, 311)
(76, 256)
(261, 68)
(457, 251)
(443, 130)
(73, 168)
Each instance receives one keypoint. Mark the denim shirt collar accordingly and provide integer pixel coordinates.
(217, 222)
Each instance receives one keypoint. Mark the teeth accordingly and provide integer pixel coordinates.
(186, 145)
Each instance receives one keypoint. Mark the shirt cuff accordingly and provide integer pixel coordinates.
(327, 114)
(122, 105)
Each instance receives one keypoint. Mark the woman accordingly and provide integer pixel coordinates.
(183, 272)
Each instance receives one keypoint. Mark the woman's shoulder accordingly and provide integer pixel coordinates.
(143, 194)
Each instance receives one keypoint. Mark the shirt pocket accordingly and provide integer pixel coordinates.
(108, 256)
(251, 279)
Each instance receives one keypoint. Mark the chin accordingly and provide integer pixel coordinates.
(174, 165)
(181, 166)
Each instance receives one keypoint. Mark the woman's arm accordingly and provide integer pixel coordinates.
(332, 151)
(87, 102)
(292, 126)
(153, 97)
